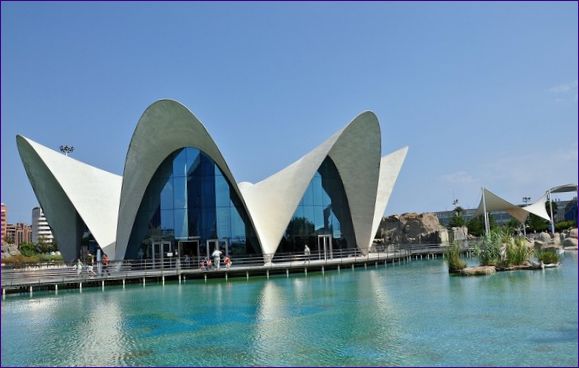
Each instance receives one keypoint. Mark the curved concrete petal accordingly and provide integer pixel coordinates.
(164, 127)
(65, 186)
(355, 150)
(390, 166)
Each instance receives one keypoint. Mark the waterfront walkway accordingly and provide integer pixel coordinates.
(53, 277)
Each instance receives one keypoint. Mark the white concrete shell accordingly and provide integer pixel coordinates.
(390, 166)
(164, 127)
(109, 205)
(64, 187)
(355, 150)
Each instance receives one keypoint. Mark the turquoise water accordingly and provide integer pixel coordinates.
(412, 314)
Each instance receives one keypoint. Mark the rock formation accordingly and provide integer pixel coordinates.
(414, 228)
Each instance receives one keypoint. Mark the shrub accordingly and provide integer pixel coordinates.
(517, 252)
(489, 249)
(27, 249)
(455, 263)
(564, 225)
(548, 256)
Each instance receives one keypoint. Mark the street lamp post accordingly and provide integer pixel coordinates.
(66, 149)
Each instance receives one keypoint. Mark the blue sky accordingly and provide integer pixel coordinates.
(483, 94)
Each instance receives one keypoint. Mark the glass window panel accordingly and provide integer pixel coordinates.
(319, 219)
(181, 224)
(223, 222)
(194, 221)
(167, 195)
(221, 192)
(167, 220)
(317, 191)
(325, 198)
(180, 163)
(310, 219)
(308, 195)
(194, 191)
(193, 159)
(208, 192)
(237, 224)
(180, 192)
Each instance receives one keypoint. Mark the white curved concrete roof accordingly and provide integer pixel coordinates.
(164, 127)
(355, 150)
(109, 205)
(65, 186)
(390, 166)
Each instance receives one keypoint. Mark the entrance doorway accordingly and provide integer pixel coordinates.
(325, 249)
(188, 252)
(161, 250)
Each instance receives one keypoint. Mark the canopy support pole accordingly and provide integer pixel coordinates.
(485, 212)
(551, 210)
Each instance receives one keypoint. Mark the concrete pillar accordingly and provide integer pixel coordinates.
(247, 275)
(123, 283)
(163, 280)
(144, 283)
(287, 273)
(103, 285)
(80, 287)
(55, 289)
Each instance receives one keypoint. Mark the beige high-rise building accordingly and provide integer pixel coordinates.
(4, 219)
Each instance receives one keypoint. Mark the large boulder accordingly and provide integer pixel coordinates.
(573, 233)
(570, 243)
(412, 228)
(458, 233)
(478, 271)
(544, 237)
(9, 250)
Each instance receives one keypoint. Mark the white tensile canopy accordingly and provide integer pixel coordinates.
(490, 202)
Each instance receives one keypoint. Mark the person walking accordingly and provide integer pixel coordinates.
(217, 258)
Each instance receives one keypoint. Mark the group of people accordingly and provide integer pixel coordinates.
(89, 266)
(208, 264)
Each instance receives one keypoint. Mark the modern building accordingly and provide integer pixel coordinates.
(4, 221)
(18, 233)
(41, 232)
(177, 194)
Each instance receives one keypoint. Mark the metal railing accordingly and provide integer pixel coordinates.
(63, 273)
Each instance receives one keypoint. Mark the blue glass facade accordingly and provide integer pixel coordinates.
(190, 200)
(322, 211)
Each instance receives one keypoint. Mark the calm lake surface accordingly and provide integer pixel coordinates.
(412, 314)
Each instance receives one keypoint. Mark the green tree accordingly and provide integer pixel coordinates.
(27, 249)
(457, 220)
(537, 224)
(476, 226)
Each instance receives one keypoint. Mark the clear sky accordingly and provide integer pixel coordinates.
(483, 94)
